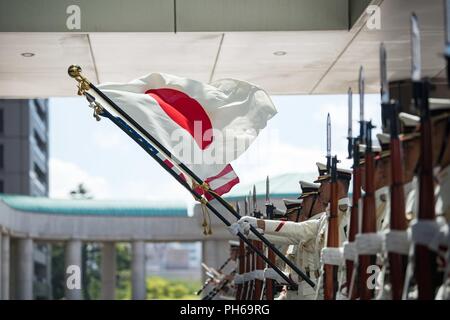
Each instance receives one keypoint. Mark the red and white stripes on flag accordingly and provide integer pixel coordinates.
(204, 125)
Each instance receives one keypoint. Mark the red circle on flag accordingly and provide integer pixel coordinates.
(187, 112)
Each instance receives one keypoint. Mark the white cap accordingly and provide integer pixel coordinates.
(409, 120)
(384, 138)
(362, 148)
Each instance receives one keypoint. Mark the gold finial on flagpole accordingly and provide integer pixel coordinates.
(83, 84)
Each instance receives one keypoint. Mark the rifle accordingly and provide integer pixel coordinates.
(369, 214)
(330, 271)
(425, 259)
(241, 266)
(353, 144)
(270, 284)
(258, 262)
(397, 262)
(328, 143)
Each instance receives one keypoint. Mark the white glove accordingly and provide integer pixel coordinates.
(234, 228)
(258, 274)
(270, 273)
(238, 279)
(245, 223)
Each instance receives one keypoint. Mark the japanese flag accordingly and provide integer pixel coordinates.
(204, 125)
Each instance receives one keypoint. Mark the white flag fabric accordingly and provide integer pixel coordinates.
(204, 125)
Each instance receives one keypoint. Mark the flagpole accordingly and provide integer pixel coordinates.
(85, 85)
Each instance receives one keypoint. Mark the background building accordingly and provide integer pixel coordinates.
(24, 169)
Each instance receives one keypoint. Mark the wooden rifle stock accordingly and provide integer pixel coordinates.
(368, 218)
(241, 268)
(354, 217)
(246, 286)
(425, 260)
(330, 271)
(397, 262)
(258, 266)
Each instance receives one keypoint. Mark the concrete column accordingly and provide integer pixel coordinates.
(73, 282)
(4, 252)
(25, 268)
(214, 254)
(108, 271)
(138, 284)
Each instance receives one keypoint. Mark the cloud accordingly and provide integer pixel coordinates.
(65, 176)
(113, 140)
(274, 157)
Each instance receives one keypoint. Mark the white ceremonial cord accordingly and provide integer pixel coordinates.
(369, 243)
(332, 256)
(234, 228)
(408, 273)
(440, 239)
(398, 241)
(423, 231)
(350, 251)
(352, 281)
(239, 279)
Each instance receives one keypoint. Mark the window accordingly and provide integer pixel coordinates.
(40, 143)
(2, 163)
(42, 177)
(40, 110)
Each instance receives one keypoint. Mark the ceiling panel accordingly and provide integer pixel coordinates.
(45, 73)
(395, 33)
(256, 57)
(125, 56)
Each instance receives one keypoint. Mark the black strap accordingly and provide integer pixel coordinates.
(445, 142)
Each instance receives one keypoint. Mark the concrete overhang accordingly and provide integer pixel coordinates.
(296, 47)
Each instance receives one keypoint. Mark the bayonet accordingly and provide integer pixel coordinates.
(255, 206)
(383, 75)
(416, 58)
(447, 37)
(328, 143)
(350, 128)
(238, 208)
(267, 190)
(246, 206)
(361, 103)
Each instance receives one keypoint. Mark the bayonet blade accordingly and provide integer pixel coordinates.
(238, 209)
(415, 50)
(383, 75)
(350, 124)
(328, 135)
(246, 206)
(447, 27)
(254, 198)
(447, 38)
(350, 111)
(328, 143)
(361, 93)
(267, 190)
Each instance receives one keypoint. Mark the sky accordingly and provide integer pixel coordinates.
(112, 166)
